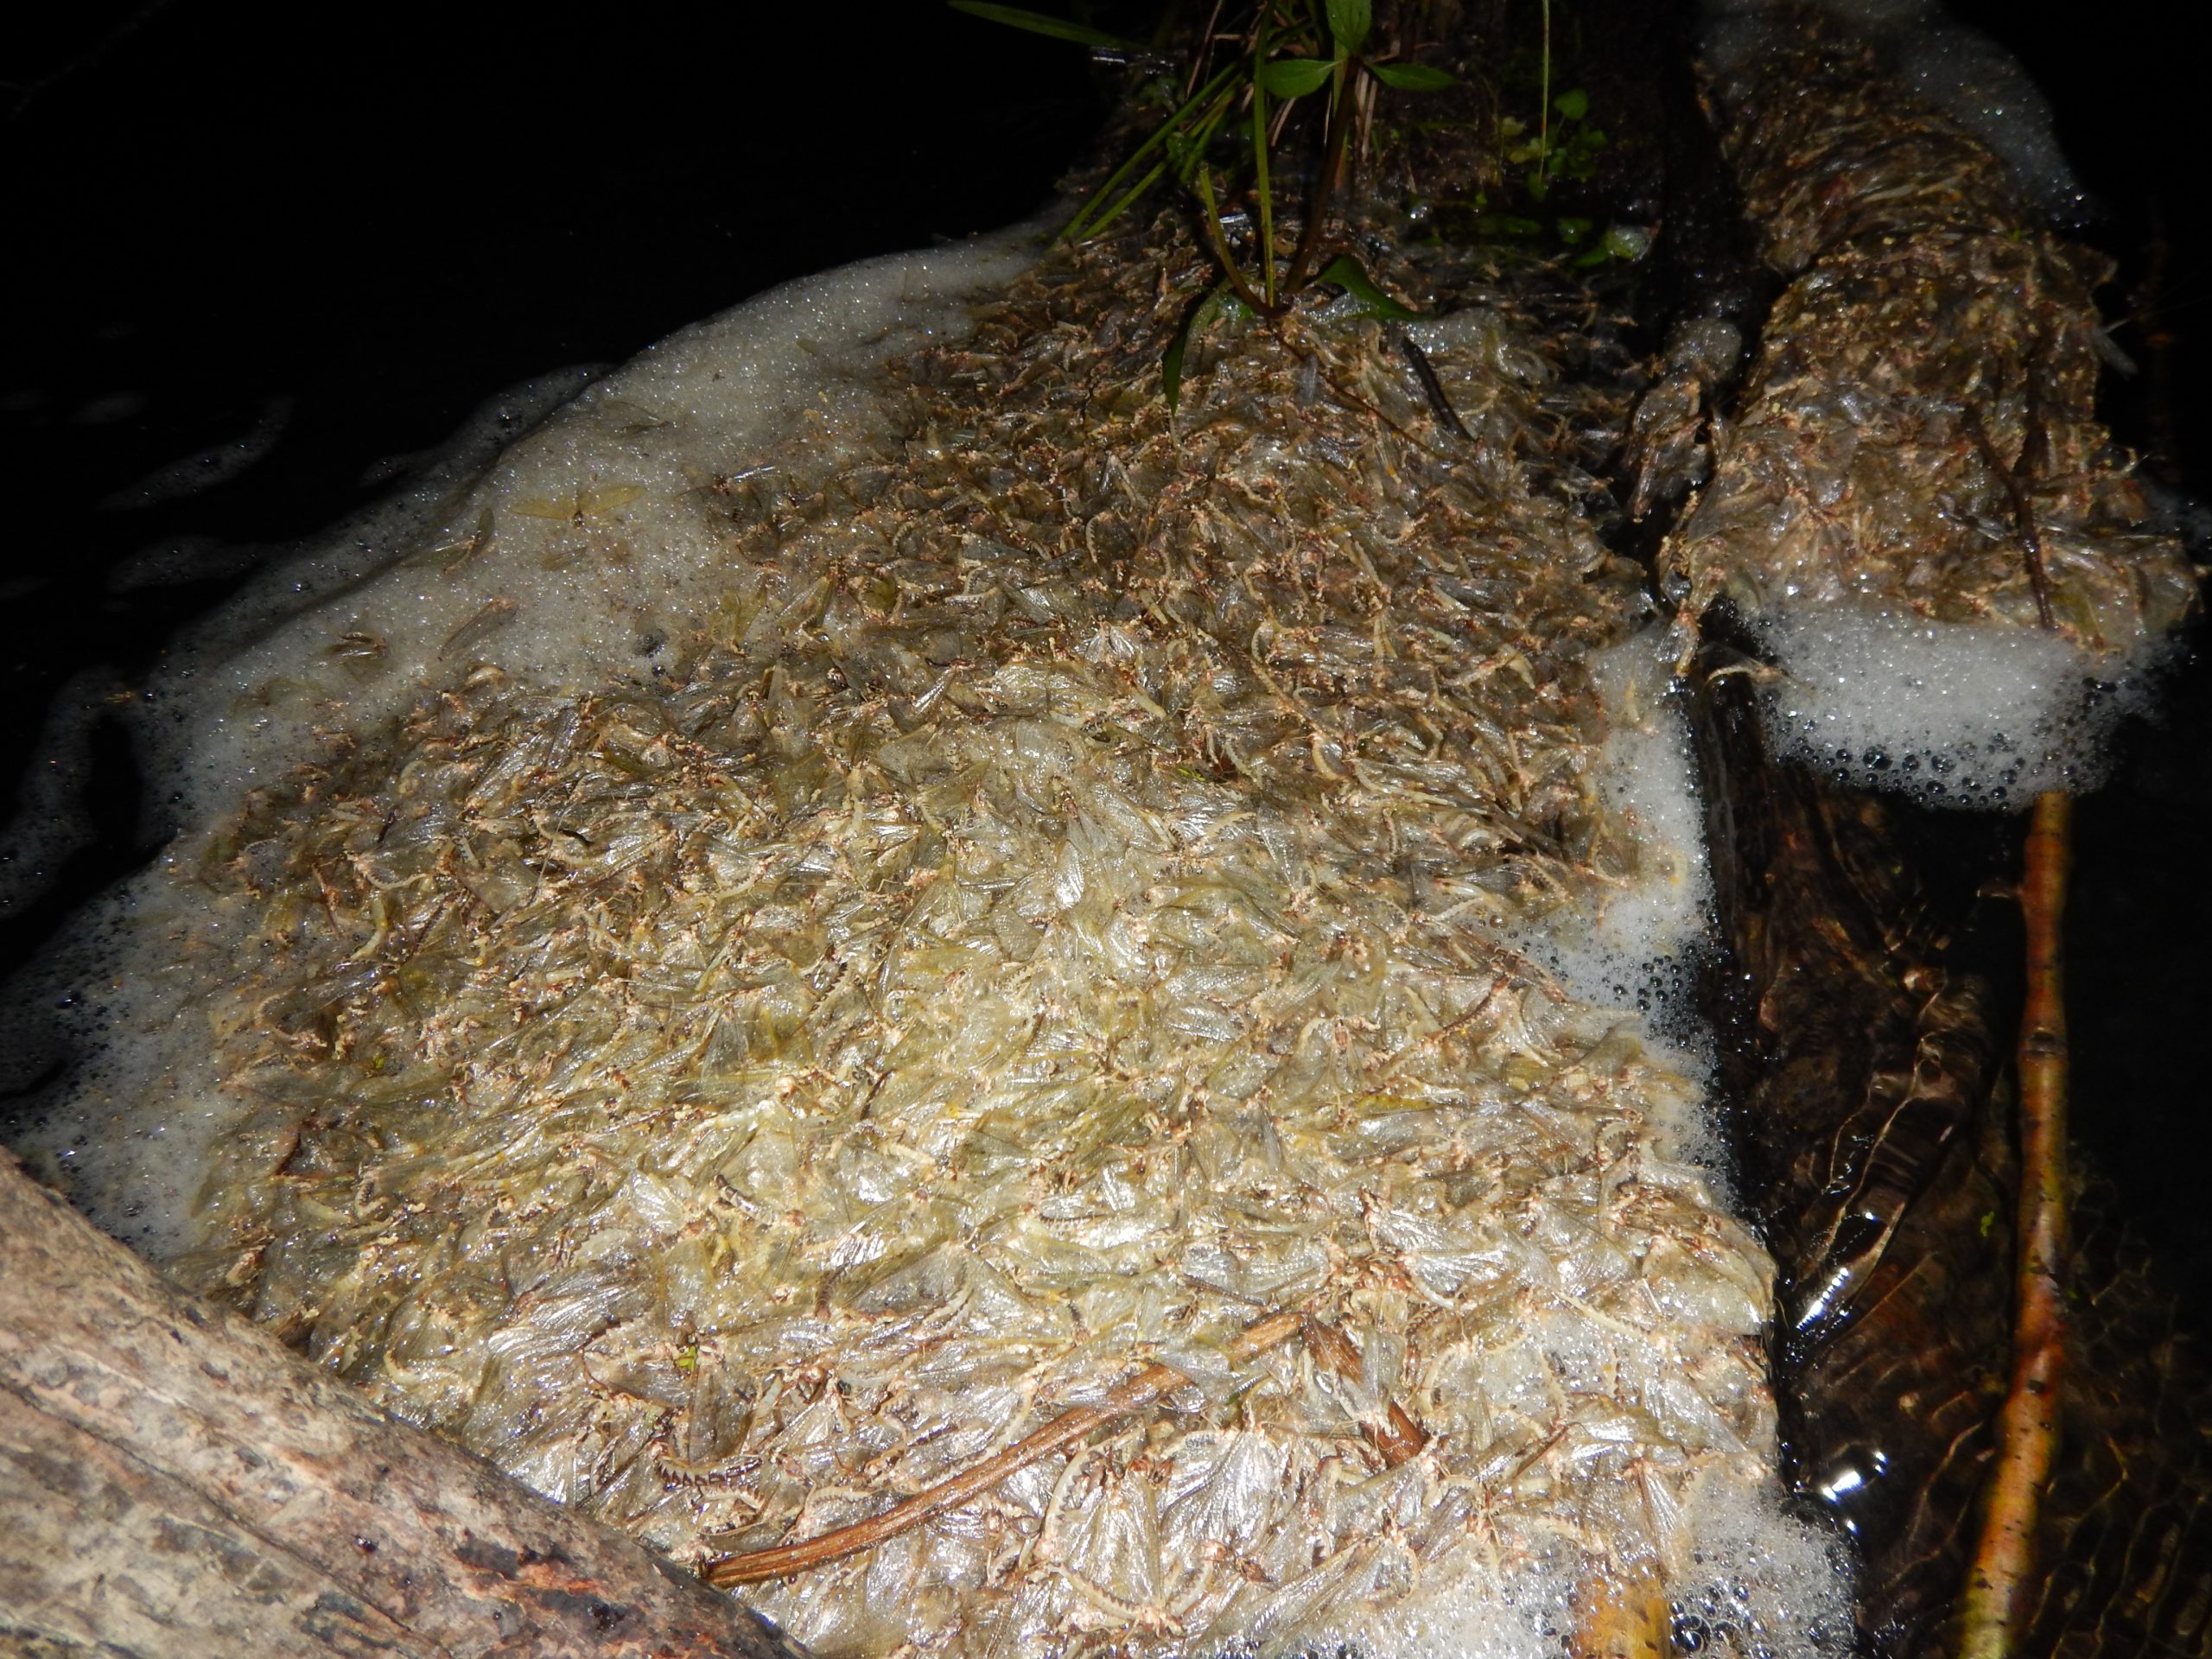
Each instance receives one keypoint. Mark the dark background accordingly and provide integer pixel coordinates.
(318, 238)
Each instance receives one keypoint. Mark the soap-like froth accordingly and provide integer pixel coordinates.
(51, 820)
(1641, 944)
(560, 539)
(573, 560)
(1642, 932)
(1951, 713)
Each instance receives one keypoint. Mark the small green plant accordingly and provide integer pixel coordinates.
(1553, 142)
(1568, 151)
(1290, 50)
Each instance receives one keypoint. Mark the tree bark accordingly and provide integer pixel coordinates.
(173, 1484)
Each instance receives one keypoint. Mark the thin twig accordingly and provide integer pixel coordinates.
(1133, 1393)
(1544, 104)
(1994, 1610)
(1993, 1617)
(2016, 481)
(1263, 186)
(1205, 39)
(1393, 1433)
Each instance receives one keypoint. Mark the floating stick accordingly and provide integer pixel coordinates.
(1133, 1392)
(1993, 1615)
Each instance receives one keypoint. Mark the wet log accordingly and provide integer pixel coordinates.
(174, 1482)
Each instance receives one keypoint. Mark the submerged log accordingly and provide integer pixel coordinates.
(174, 1482)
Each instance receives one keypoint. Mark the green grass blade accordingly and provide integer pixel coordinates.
(1037, 23)
(1096, 214)
(1202, 136)
(1085, 224)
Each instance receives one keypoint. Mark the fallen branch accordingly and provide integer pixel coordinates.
(175, 1481)
(1133, 1393)
(1994, 1614)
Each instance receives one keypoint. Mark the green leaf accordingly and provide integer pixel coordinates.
(1571, 230)
(1038, 23)
(1220, 302)
(1346, 273)
(1294, 77)
(1573, 104)
(1348, 22)
(1411, 77)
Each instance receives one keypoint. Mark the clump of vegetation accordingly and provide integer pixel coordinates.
(1287, 51)
(1570, 151)
(1222, 140)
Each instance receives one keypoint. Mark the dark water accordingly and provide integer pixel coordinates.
(292, 249)
(2129, 110)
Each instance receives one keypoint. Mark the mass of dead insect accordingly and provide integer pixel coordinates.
(1029, 1010)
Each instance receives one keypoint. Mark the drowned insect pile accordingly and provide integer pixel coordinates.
(1103, 880)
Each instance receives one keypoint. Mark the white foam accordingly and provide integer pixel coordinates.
(1952, 713)
(1638, 946)
(134, 1134)
(1744, 1577)
(218, 464)
(584, 544)
(1983, 87)
(1759, 1579)
(51, 821)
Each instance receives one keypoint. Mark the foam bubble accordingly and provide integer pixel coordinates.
(134, 1134)
(195, 473)
(51, 821)
(1747, 1577)
(1952, 713)
(1760, 1579)
(585, 542)
(1980, 85)
(1638, 945)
